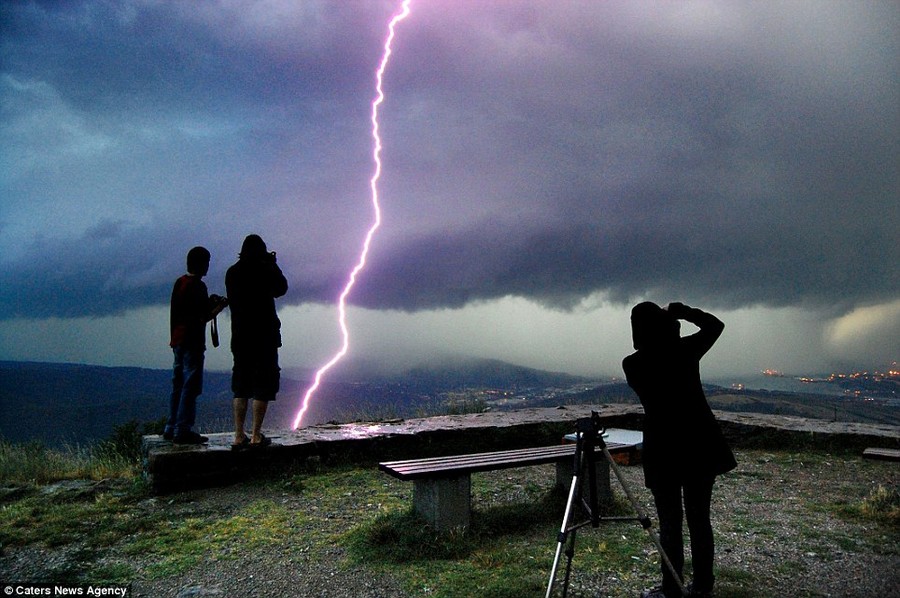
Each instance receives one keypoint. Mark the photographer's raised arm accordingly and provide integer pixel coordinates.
(278, 284)
(710, 327)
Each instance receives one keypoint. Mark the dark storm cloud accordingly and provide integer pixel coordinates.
(114, 267)
(106, 271)
(137, 56)
(722, 152)
(738, 167)
(184, 124)
(558, 268)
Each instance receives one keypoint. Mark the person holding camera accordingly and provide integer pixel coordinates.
(252, 285)
(684, 449)
(190, 309)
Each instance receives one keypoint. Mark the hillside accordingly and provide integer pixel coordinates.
(816, 406)
(828, 408)
(71, 403)
(75, 403)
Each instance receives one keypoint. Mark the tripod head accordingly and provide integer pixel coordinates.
(590, 426)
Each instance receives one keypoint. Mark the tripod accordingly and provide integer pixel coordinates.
(589, 437)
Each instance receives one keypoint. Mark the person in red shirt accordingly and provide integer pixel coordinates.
(191, 308)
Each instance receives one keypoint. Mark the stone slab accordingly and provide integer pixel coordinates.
(170, 468)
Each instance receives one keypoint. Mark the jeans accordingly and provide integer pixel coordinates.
(697, 499)
(187, 384)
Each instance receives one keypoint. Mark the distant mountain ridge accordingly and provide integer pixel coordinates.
(58, 403)
(461, 372)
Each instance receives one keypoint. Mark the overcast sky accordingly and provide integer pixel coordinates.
(546, 165)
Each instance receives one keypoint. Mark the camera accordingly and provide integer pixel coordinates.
(218, 303)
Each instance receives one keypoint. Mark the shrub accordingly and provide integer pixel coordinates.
(125, 440)
(883, 504)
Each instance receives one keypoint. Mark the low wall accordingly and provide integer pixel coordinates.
(170, 468)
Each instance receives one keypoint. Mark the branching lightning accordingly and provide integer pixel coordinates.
(373, 184)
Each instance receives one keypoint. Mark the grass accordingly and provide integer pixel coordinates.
(119, 456)
(883, 505)
(34, 463)
(122, 521)
(507, 551)
(178, 546)
(88, 526)
(116, 532)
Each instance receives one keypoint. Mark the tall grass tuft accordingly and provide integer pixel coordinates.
(33, 463)
(883, 504)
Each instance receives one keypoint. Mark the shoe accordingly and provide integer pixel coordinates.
(243, 444)
(190, 438)
(168, 435)
(692, 593)
(656, 592)
(263, 441)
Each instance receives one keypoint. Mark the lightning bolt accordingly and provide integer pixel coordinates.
(373, 184)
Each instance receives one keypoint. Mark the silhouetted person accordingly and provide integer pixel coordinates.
(684, 449)
(191, 308)
(252, 284)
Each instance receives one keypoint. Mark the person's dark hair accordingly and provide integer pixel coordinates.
(198, 260)
(253, 247)
(652, 326)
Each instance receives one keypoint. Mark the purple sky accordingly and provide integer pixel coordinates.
(546, 165)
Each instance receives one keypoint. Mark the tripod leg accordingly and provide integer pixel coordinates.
(563, 532)
(644, 519)
(570, 554)
(590, 458)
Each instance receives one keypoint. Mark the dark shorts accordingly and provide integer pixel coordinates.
(256, 374)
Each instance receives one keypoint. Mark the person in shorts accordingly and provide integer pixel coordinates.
(252, 285)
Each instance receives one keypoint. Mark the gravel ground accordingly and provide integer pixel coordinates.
(774, 537)
(776, 541)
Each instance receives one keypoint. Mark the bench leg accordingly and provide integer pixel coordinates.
(445, 503)
(564, 473)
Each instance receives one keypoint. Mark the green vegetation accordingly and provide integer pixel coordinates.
(507, 551)
(883, 504)
(117, 457)
(789, 511)
(176, 546)
(91, 524)
(464, 405)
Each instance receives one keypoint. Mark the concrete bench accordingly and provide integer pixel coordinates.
(442, 490)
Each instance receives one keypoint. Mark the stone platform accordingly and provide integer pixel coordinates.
(171, 468)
